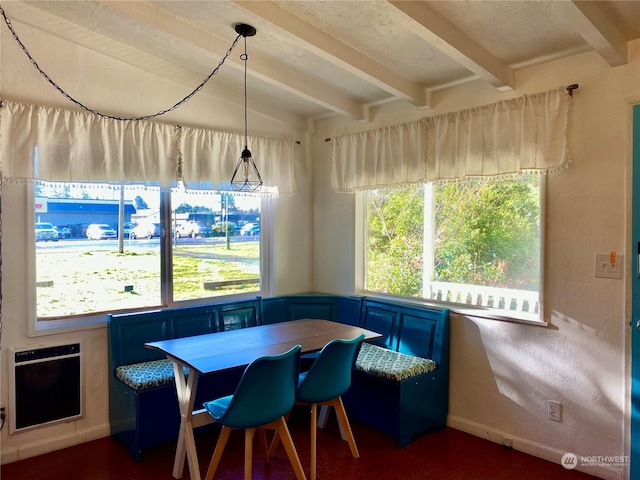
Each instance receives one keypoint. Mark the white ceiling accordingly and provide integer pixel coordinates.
(311, 59)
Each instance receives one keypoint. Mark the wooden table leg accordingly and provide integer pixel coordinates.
(322, 421)
(186, 389)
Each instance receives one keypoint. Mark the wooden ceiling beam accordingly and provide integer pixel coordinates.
(330, 48)
(446, 37)
(597, 29)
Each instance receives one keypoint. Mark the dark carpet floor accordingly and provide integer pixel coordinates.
(448, 455)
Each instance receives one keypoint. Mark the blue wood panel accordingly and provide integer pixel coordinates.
(128, 335)
(383, 319)
(320, 307)
(274, 310)
(195, 322)
(349, 310)
(238, 315)
(417, 332)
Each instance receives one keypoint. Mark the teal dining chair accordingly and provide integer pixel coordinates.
(264, 395)
(323, 385)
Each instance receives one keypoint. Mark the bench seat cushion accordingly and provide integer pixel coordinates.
(391, 365)
(144, 375)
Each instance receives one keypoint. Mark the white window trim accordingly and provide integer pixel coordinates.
(485, 313)
(37, 328)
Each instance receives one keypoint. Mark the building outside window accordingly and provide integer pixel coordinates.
(131, 247)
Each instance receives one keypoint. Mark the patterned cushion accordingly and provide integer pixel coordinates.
(141, 376)
(391, 365)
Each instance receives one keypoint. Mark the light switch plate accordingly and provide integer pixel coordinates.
(605, 269)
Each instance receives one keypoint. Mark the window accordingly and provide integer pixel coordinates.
(471, 242)
(102, 248)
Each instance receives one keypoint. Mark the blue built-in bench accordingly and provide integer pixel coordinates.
(400, 384)
(401, 381)
(143, 405)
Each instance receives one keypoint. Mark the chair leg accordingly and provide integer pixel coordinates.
(314, 434)
(248, 452)
(275, 441)
(217, 454)
(344, 424)
(287, 442)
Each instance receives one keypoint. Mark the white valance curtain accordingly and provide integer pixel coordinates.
(64, 145)
(210, 157)
(527, 134)
(379, 158)
(50, 144)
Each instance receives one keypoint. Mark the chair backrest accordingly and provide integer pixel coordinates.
(265, 392)
(330, 374)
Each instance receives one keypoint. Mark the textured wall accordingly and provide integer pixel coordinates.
(114, 87)
(503, 374)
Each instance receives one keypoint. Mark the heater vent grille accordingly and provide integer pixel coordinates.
(46, 386)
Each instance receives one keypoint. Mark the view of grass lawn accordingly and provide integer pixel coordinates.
(75, 282)
(193, 265)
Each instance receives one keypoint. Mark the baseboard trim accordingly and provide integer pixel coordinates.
(51, 444)
(529, 447)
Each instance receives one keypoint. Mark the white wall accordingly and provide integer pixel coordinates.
(116, 88)
(502, 374)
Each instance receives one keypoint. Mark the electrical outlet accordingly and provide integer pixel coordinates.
(507, 442)
(555, 411)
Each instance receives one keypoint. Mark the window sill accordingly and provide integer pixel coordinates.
(66, 325)
(482, 313)
(498, 315)
(56, 326)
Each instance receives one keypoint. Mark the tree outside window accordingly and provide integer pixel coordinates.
(474, 241)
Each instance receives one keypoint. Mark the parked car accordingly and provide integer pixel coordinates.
(101, 231)
(46, 232)
(64, 231)
(255, 230)
(250, 229)
(190, 229)
(246, 227)
(126, 229)
(145, 230)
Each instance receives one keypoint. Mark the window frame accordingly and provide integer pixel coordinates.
(37, 327)
(488, 313)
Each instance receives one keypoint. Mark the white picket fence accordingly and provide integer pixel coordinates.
(503, 298)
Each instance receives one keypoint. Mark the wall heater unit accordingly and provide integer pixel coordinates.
(47, 386)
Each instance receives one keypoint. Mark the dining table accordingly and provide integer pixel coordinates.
(215, 352)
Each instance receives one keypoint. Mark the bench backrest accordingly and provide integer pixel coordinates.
(312, 305)
(235, 315)
(128, 332)
(414, 330)
(296, 307)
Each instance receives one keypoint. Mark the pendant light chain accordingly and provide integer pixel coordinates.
(117, 117)
(245, 57)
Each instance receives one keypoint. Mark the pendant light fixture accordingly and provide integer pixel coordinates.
(246, 177)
